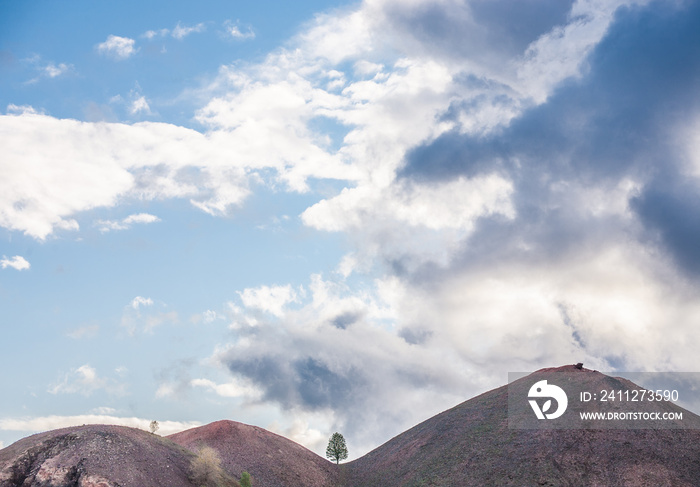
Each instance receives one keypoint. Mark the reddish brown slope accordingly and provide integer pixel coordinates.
(271, 460)
(471, 445)
(95, 456)
(468, 445)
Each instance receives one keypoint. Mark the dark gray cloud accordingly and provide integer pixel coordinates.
(642, 77)
(305, 382)
(671, 215)
(510, 297)
(415, 336)
(346, 319)
(485, 31)
(618, 120)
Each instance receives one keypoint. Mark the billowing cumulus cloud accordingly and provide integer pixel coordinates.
(44, 184)
(515, 194)
(270, 299)
(523, 212)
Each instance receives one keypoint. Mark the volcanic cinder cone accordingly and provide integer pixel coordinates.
(270, 459)
(473, 445)
(95, 456)
(482, 442)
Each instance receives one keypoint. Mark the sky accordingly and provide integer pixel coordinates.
(324, 216)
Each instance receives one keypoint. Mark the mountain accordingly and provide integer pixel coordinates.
(472, 445)
(270, 459)
(95, 456)
(477, 443)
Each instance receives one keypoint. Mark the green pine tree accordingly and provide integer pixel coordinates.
(336, 449)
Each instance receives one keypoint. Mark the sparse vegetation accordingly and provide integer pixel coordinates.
(337, 450)
(154, 426)
(206, 471)
(245, 480)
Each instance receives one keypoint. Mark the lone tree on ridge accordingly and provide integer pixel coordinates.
(336, 449)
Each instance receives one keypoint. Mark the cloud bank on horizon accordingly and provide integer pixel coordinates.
(514, 185)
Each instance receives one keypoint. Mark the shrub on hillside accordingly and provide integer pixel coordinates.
(206, 471)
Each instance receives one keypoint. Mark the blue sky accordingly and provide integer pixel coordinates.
(331, 216)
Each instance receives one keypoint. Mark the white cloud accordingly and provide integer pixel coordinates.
(178, 32)
(151, 34)
(140, 301)
(373, 366)
(103, 410)
(301, 430)
(85, 380)
(271, 299)
(73, 170)
(17, 262)
(126, 223)
(117, 47)
(140, 315)
(263, 119)
(140, 218)
(46, 423)
(52, 70)
(13, 109)
(452, 205)
(234, 31)
(232, 389)
(151, 321)
(560, 53)
(208, 316)
(459, 333)
(181, 31)
(140, 105)
(48, 70)
(79, 166)
(345, 35)
(87, 331)
(166, 389)
(426, 221)
(516, 296)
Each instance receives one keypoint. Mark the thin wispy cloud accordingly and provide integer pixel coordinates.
(233, 29)
(88, 331)
(181, 31)
(47, 70)
(85, 381)
(126, 223)
(152, 34)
